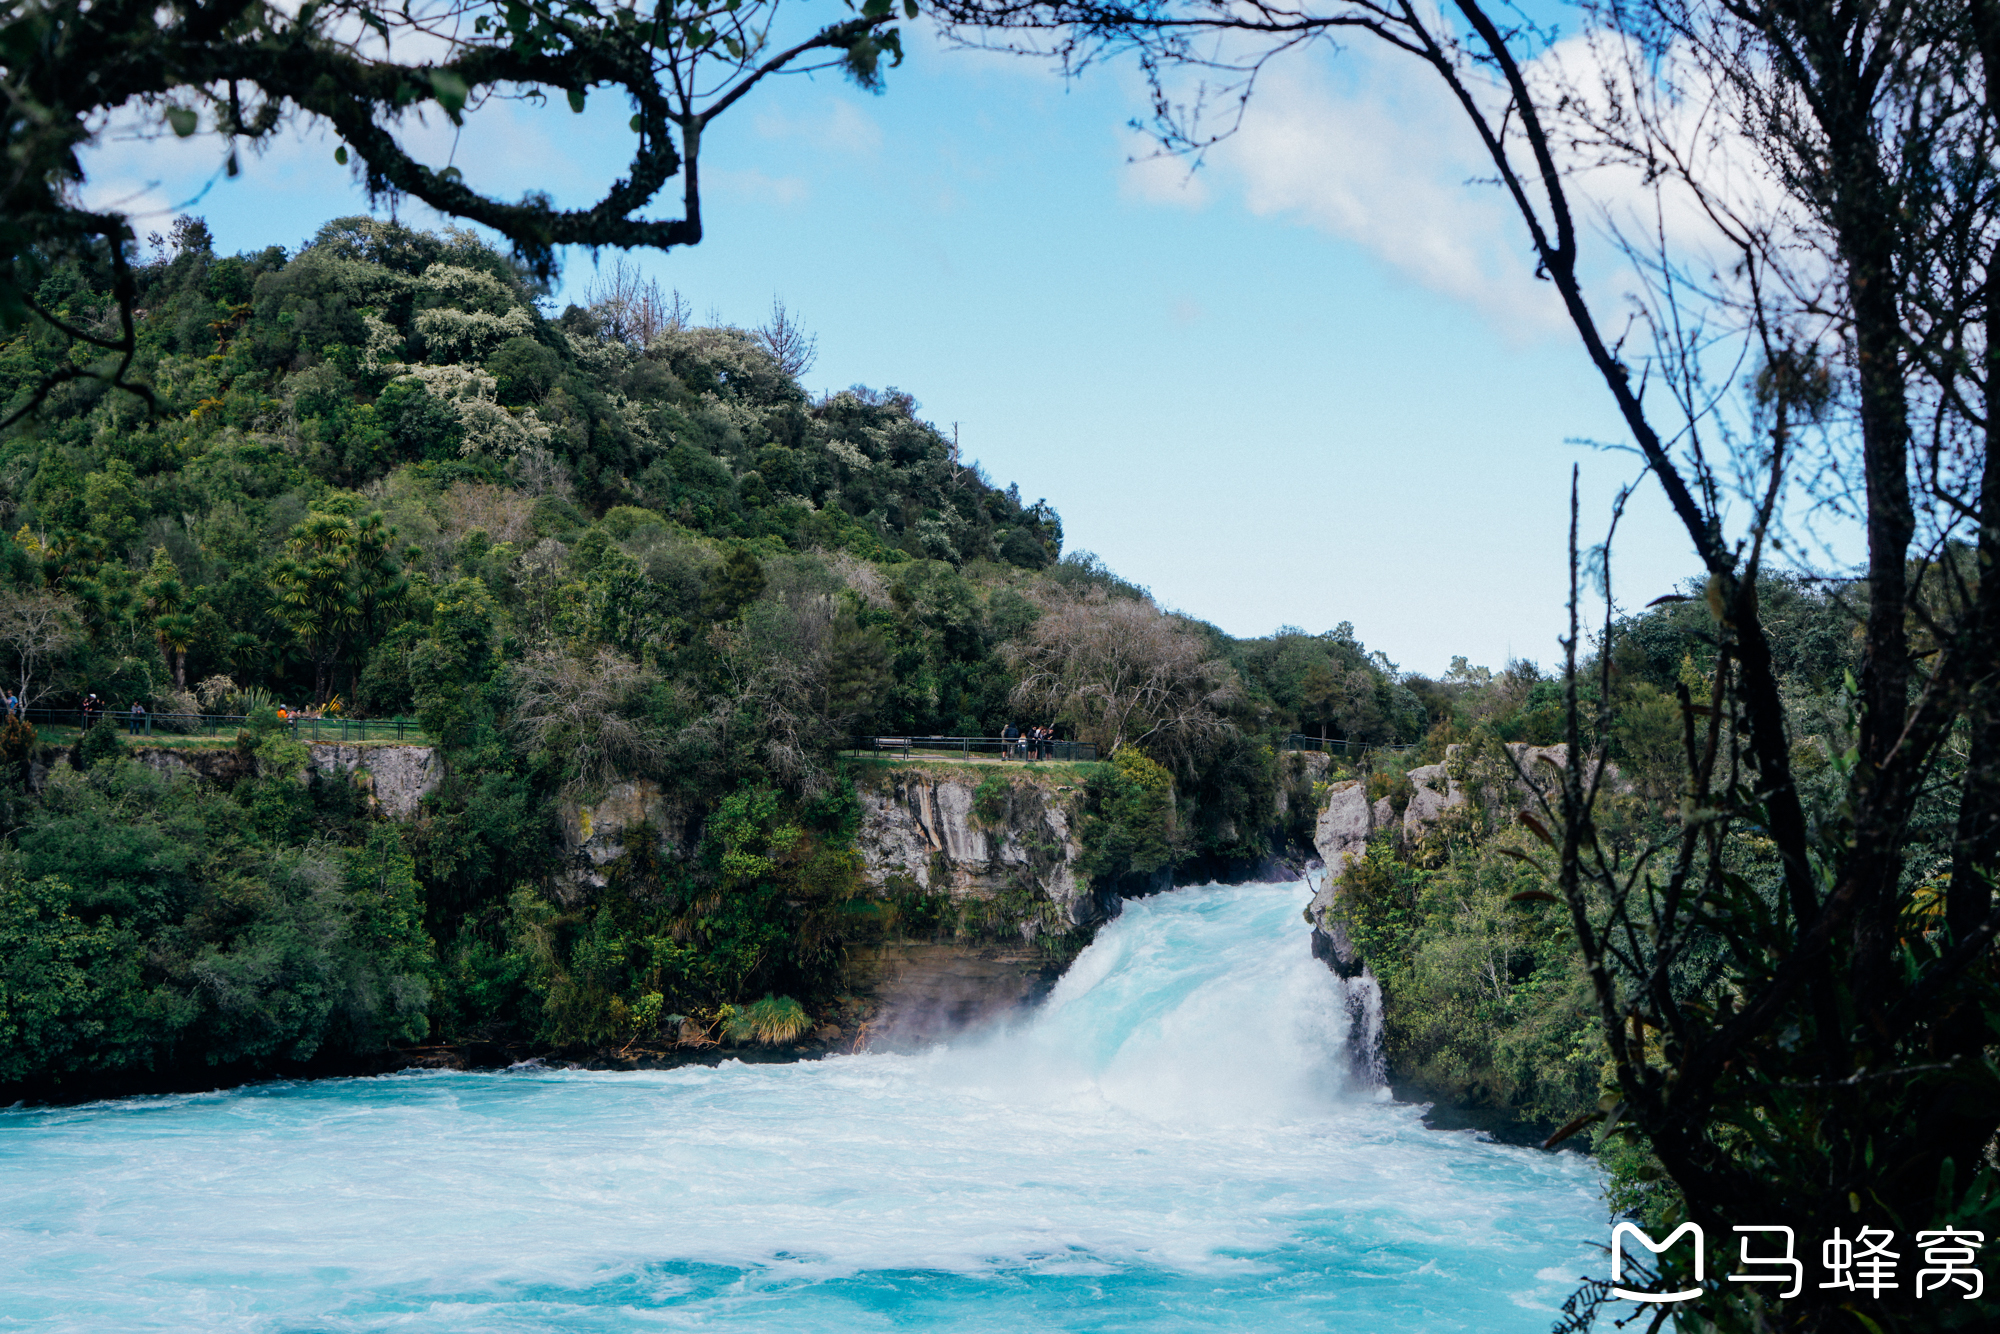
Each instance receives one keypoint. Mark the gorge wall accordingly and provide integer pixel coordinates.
(987, 852)
(394, 777)
(1349, 820)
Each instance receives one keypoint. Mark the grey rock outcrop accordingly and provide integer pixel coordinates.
(919, 831)
(1340, 836)
(216, 766)
(1432, 793)
(1347, 821)
(596, 833)
(396, 778)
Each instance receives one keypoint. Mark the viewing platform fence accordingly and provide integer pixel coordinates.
(970, 747)
(224, 726)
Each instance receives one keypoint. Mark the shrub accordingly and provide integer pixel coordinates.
(70, 992)
(99, 743)
(773, 1021)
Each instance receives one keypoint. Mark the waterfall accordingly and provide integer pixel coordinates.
(1363, 996)
(1178, 1139)
(1364, 1023)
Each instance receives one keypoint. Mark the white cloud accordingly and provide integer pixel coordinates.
(139, 169)
(754, 186)
(1386, 161)
(1369, 146)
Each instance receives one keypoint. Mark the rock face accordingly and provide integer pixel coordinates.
(1348, 821)
(920, 831)
(396, 778)
(1432, 793)
(1346, 824)
(1002, 847)
(597, 833)
(217, 766)
(1000, 844)
(922, 992)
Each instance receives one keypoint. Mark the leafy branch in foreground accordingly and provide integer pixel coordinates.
(241, 70)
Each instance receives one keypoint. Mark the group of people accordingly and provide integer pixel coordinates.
(93, 709)
(1036, 743)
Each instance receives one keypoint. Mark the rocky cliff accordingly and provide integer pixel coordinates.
(1007, 834)
(596, 833)
(998, 846)
(1348, 821)
(395, 777)
(988, 853)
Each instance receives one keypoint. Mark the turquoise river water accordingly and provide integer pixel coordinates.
(1176, 1140)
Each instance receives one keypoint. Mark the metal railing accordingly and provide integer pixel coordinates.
(1337, 745)
(969, 747)
(226, 725)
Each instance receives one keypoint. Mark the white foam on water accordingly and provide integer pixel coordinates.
(1175, 1140)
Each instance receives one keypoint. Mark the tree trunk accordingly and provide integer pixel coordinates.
(1976, 845)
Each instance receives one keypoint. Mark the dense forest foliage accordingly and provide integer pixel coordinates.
(381, 478)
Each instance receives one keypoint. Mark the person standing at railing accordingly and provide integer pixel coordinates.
(1009, 735)
(137, 722)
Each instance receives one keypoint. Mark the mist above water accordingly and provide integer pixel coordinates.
(1178, 1139)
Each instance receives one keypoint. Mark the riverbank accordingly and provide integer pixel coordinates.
(473, 1054)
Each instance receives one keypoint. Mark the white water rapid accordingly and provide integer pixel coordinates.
(1175, 1141)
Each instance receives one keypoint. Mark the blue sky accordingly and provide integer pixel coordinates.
(1313, 384)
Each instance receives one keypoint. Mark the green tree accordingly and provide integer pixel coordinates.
(232, 72)
(736, 585)
(112, 504)
(166, 601)
(337, 582)
(317, 601)
(71, 994)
